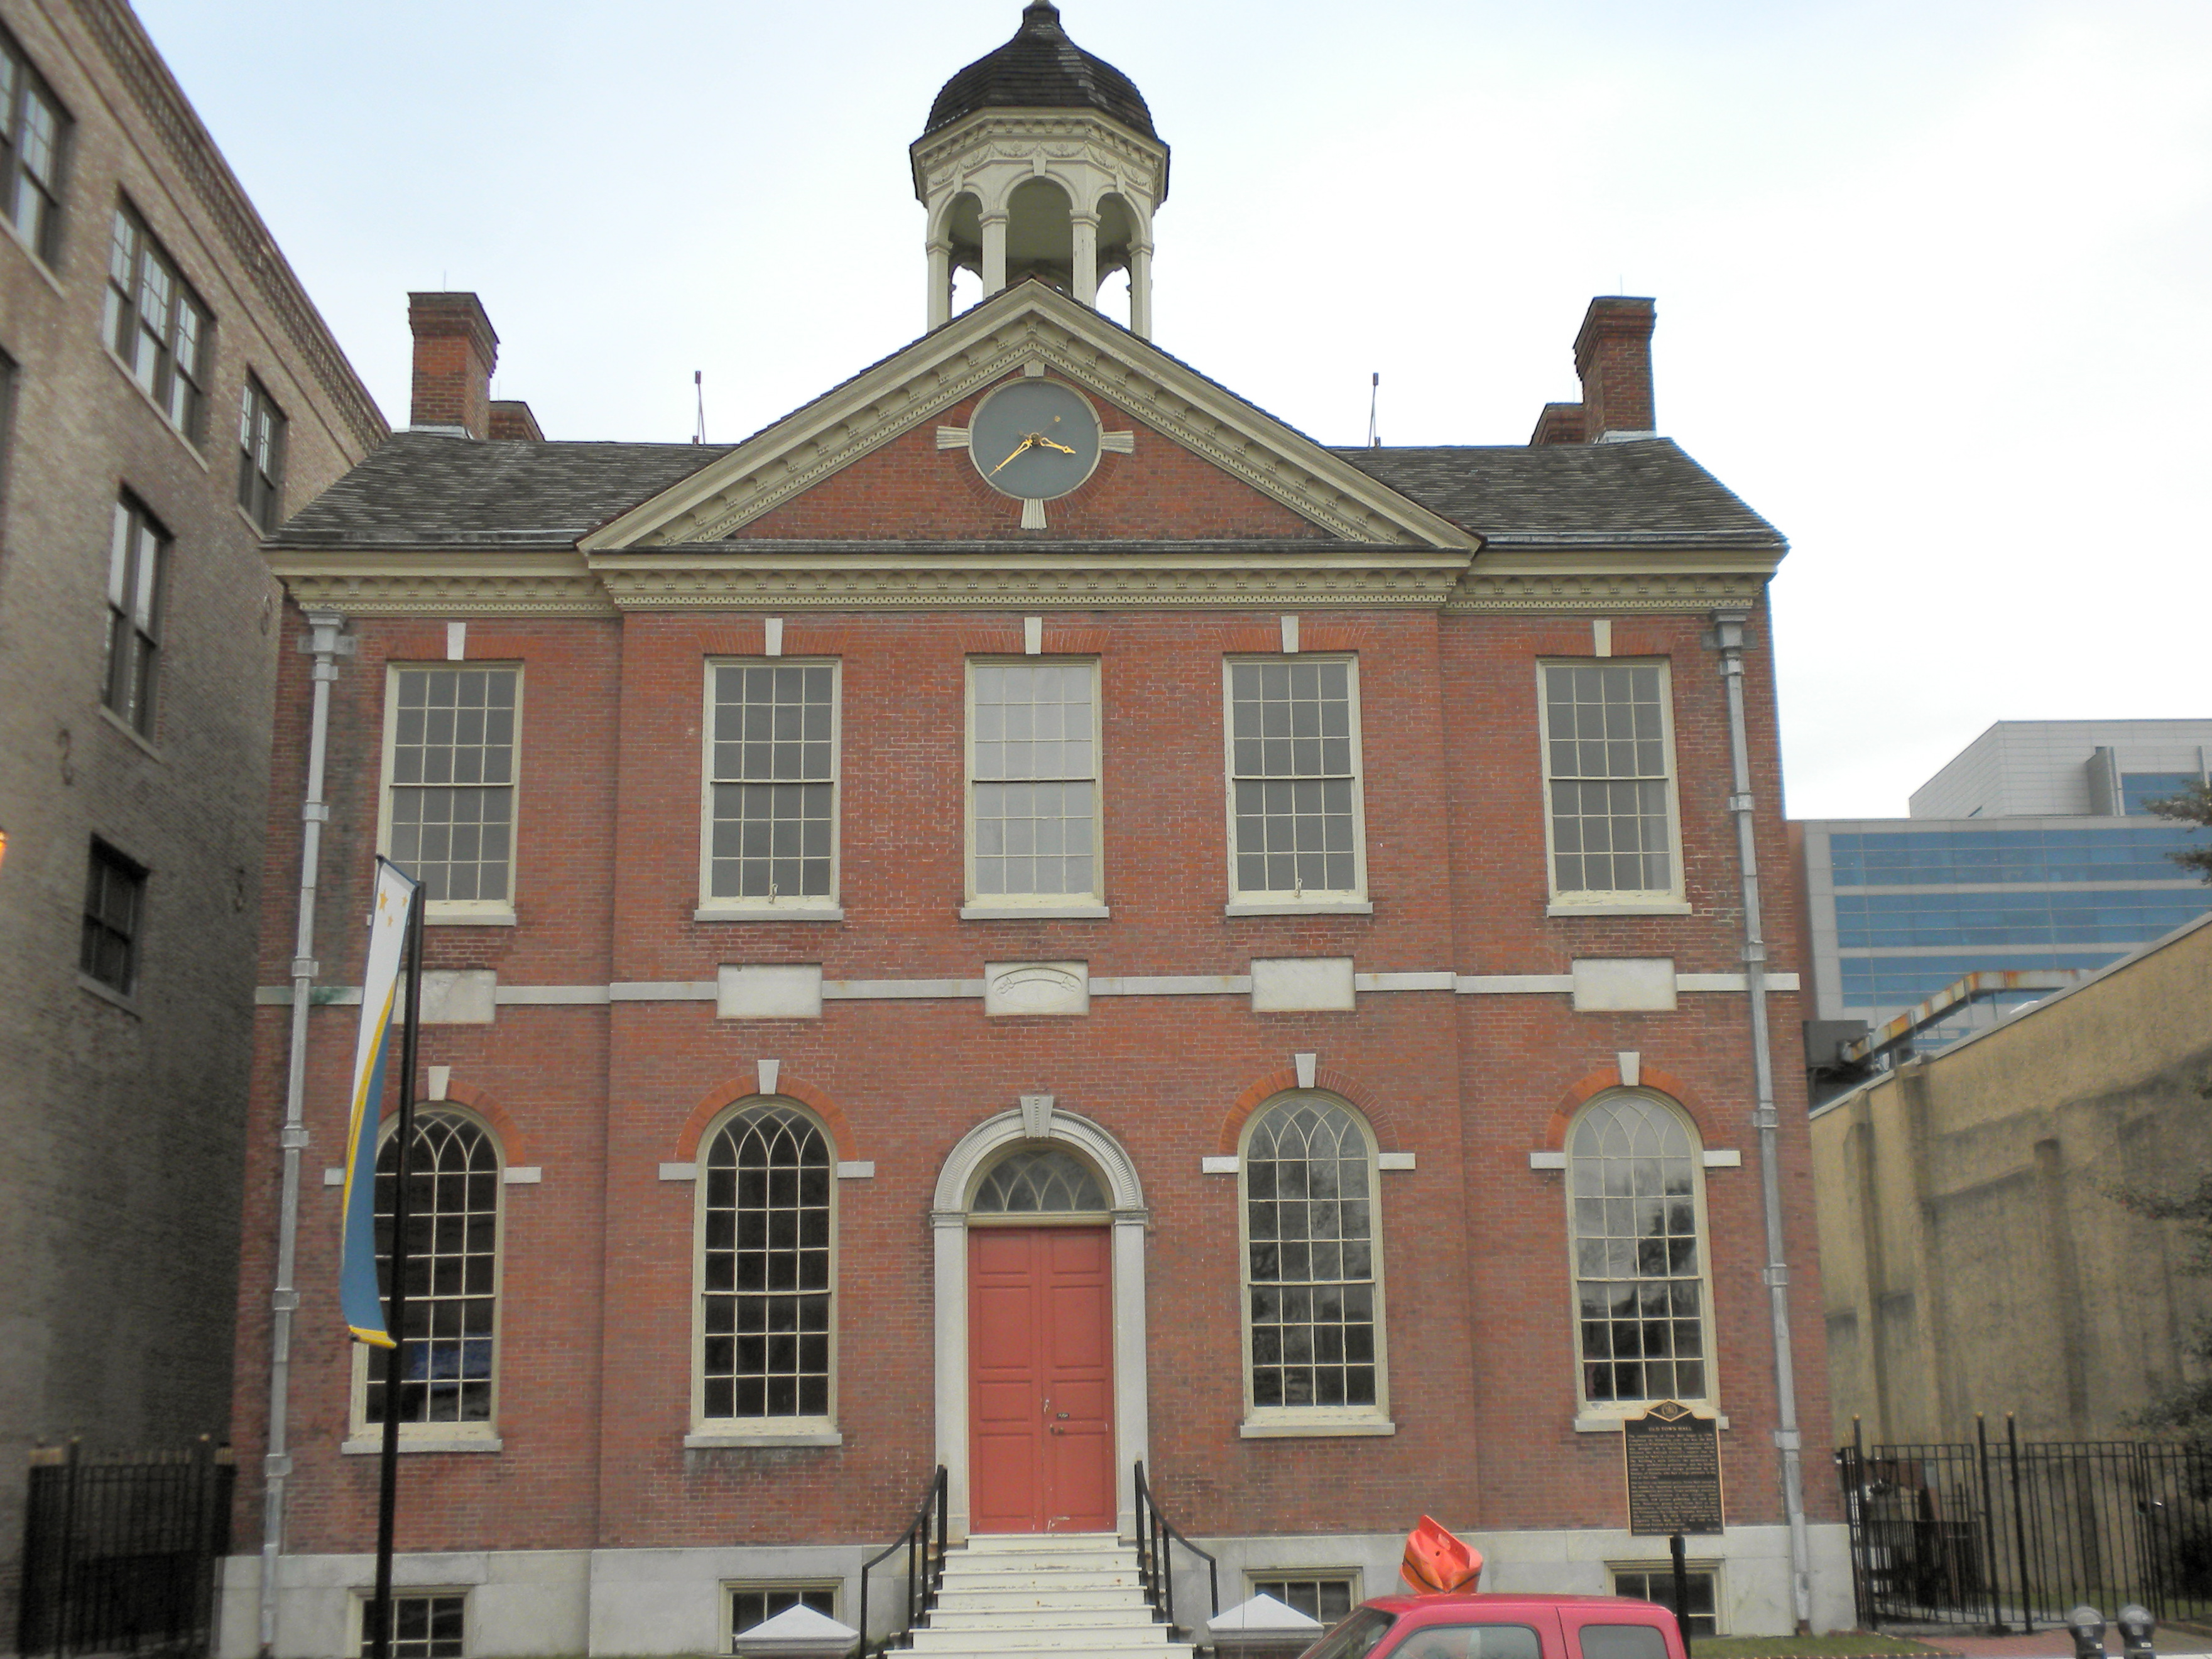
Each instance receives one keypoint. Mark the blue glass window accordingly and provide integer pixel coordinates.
(2089, 916)
(2139, 789)
(1944, 858)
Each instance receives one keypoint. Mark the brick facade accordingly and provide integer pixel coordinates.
(594, 1391)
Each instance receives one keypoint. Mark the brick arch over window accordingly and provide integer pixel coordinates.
(730, 1091)
(1651, 1079)
(1327, 1078)
(514, 1145)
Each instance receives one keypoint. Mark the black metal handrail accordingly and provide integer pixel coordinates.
(1155, 1569)
(924, 1543)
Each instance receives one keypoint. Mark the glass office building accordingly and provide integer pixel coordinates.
(1898, 908)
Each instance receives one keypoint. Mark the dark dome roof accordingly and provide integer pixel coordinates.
(1041, 69)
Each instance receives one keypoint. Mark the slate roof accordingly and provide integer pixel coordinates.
(1041, 69)
(1643, 492)
(424, 489)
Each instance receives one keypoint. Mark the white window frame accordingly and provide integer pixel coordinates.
(363, 1436)
(1281, 1422)
(1269, 901)
(357, 1621)
(1711, 1565)
(1255, 1577)
(484, 913)
(733, 1587)
(1668, 901)
(711, 1431)
(987, 906)
(821, 907)
(1609, 1413)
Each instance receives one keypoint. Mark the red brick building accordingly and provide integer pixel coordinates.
(1028, 918)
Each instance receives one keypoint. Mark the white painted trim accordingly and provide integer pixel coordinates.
(523, 1174)
(1724, 1160)
(1211, 1163)
(956, 1181)
(1396, 1161)
(1265, 901)
(1314, 1428)
(1034, 913)
(708, 1440)
(1173, 984)
(679, 1172)
(1547, 1160)
(856, 1169)
(728, 907)
(1673, 894)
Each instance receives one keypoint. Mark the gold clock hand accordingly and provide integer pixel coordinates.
(1017, 449)
(1062, 448)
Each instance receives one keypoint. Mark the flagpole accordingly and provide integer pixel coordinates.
(395, 1363)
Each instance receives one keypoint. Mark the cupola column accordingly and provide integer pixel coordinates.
(995, 253)
(940, 283)
(1140, 289)
(1085, 287)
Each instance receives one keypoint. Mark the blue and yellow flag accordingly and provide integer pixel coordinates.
(379, 989)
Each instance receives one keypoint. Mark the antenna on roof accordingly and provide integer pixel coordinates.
(1374, 395)
(699, 389)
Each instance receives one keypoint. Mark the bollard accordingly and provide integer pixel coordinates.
(2136, 1625)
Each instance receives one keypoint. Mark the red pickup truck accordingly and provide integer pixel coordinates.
(1475, 1626)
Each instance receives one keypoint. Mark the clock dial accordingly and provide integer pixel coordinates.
(1034, 440)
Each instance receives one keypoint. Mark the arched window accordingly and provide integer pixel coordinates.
(1642, 1288)
(1313, 1292)
(1041, 1181)
(453, 1276)
(767, 1185)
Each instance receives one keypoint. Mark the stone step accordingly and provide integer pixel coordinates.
(1042, 1615)
(1152, 1639)
(1056, 1581)
(1018, 1598)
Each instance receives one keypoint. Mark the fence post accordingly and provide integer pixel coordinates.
(1992, 1557)
(2019, 1524)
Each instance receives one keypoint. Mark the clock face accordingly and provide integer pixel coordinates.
(1034, 440)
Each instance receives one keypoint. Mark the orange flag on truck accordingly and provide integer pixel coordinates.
(1436, 1563)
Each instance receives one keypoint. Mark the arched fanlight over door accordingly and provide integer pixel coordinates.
(1041, 1181)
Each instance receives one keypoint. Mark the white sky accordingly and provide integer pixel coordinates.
(1932, 276)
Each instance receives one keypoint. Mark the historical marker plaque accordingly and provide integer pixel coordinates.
(1672, 1460)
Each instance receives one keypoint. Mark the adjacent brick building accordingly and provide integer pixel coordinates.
(1028, 918)
(167, 392)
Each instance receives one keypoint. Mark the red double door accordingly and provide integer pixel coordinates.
(1041, 1379)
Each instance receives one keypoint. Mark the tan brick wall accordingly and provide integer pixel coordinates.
(119, 1195)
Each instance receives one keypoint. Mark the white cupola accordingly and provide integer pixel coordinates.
(1040, 161)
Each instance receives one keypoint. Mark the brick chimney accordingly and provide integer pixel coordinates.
(511, 418)
(1559, 423)
(1612, 355)
(455, 351)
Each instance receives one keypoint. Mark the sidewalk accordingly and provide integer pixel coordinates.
(2057, 1645)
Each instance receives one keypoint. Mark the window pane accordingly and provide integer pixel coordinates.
(1291, 767)
(1607, 769)
(1639, 1286)
(453, 1242)
(452, 771)
(1308, 1259)
(765, 1267)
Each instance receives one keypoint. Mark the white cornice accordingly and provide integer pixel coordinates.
(991, 134)
(360, 583)
(698, 577)
(1027, 324)
(1574, 583)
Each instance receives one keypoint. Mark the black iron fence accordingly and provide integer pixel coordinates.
(1155, 1564)
(120, 1550)
(923, 1541)
(2006, 1534)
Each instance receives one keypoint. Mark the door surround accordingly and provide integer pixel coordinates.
(948, 1218)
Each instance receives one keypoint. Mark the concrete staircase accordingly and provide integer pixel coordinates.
(1070, 1595)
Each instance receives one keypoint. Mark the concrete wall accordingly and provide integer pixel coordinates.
(1972, 1255)
(123, 1117)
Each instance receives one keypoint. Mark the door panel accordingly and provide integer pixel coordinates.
(1040, 1385)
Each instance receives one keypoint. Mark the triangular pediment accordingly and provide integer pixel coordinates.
(1030, 328)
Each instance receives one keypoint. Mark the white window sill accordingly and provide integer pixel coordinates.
(769, 913)
(443, 913)
(129, 731)
(1320, 1426)
(713, 1439)
(1034, 913)
(372, 1444)
(1589, 1422)
(146, 397)
(108, 992)
(1300, 908)
(38, 260)
(1626, 907)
